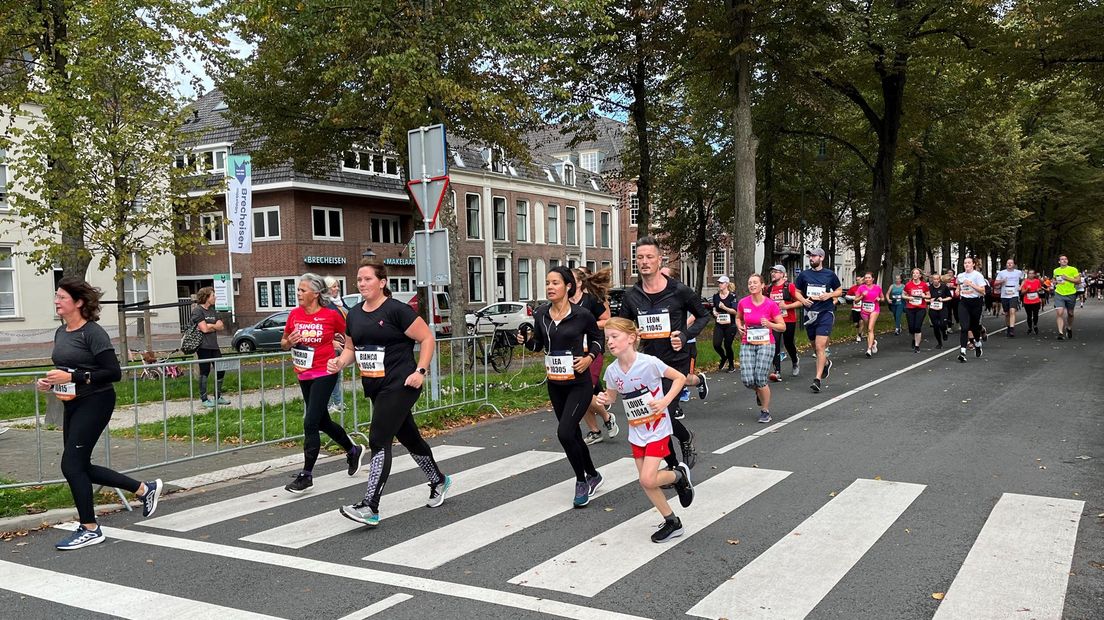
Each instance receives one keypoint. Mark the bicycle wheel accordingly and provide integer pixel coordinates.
(501, 353)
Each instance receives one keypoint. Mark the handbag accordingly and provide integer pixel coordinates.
(190, 340)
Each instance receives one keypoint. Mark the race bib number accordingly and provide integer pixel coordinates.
(302, 358)
(654, 325)
(868, 306)
(917, 300)
(558, 366)
(637, 411)
(1009, 291)
(370, 361)
(782, 312)
(936, 304)
(1061, 279)
(65, 391)
(724, 318)
(758, 335)
(1032, 296)
(857, 304)
(813, 291)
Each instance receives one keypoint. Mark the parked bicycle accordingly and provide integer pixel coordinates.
(171, 371)
(501, 351)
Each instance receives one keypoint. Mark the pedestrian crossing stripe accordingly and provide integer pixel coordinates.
(317, 528)
(209, 514)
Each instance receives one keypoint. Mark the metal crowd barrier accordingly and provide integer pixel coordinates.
(176, 396)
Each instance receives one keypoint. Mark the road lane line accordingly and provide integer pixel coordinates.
(1020, 561)
(789, 579)
(109, 598)
(377, 607)
(299, 534)
(598, 563)
(447, 543)
(209, 514)
(368, 575)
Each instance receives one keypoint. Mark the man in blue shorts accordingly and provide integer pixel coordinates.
(817, 290)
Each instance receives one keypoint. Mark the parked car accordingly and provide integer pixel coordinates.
(616, 297)
(441, 320)
(263, 335)
(513, 313)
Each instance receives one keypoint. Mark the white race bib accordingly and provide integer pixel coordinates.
(637, 411)
(868, 306)
(1009, 291)
(558, 366)
(65, 391)
(724, 318)
(936, 304)
(758, 335)
(813, 290)
(302, 358)
(857, 304)
(654, 325)
(917, 300)
(1032, 296)
(370, 361)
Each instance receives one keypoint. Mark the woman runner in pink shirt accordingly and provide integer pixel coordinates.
(868, 295)
(757, 318)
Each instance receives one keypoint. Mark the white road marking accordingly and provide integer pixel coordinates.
(1020, 561)
(299, 534)
(376, 608)
(598, 563)
(789, 579)
(239, 471)
(358, 573)
(208, 514)
(111, 599)
(447, 543)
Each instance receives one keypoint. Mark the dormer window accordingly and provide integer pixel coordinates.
(567, 173)
(367, 162)
(203, 161)
(494, 159)
(220, 107)
(457, 160)
(588, 160)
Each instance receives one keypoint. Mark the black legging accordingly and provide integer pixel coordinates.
(84, 421)
(205, 371)
(939, 324)
(680, 432)
(570, 402)
(915, 319)
(392, 418)
(969, 317)
(787, 340)
(723, 335)
(1032, 311)
(316, 398)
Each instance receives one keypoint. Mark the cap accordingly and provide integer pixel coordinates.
(815, 252)
(723, 279)
(778, 268)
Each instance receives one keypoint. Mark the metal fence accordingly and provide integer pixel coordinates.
(159, 420)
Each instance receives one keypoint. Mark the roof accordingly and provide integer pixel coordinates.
(474, 157)
(608, 138)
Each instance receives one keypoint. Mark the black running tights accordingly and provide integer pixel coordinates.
(84, 420)
(723, 335)
(787, 340)
(316, 399)
(1032, 311)
(570, 402)
(392, 418)
(915, 319)
(969, 317)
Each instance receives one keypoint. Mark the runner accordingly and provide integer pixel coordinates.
(333, 300)
(568, 335)
(1066, 279)
(1032, 300)
(1081, 291)
(895, 298)
(856, 308)
(817, 289)
(309, 335)
(869, 295)
(207, 321)
(1008, 283)
(917, 294)
(949, 278)
(86, 368)
(638, 378)
(757, 319)
(591, 294)
(971, 295)
(382, 333)
(659, 305)
(724, 308)
(993, 296)
(937, 307)
(782, 292)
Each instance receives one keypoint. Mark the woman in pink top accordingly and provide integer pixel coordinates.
(869, 293)
(757, 318)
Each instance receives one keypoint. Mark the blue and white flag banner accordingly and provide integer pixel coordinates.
(239, 203)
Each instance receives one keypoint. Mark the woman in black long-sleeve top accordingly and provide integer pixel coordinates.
(569, 336)
(83, 380)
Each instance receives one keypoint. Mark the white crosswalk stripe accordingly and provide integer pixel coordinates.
(202, 516)
(1020, 561)
(813, 557)
(308, 531)
(596, 564)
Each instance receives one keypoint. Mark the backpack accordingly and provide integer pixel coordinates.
(190, 340)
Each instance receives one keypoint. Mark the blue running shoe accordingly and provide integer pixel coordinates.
(81, 538)
(438, 491)
(582, 493)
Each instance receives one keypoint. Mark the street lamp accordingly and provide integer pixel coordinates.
(624, 271)
(367, 253)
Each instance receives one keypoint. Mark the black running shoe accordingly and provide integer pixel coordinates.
(301, 484)
(703, 386)
(149, 500)
(667, 531)
(977, 350)
(354, 459)
(827, 369)
(962, 357)
(1069, 333)
(689, 453)
(816, 386)
(684, 487)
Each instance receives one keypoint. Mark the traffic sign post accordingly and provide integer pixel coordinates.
(428, 156)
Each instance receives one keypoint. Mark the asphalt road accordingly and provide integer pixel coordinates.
(983, 482)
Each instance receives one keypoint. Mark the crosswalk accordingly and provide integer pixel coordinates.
(1020, 559)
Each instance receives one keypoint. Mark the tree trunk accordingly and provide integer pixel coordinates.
(945, 247)
(701, 242)
(893, 91)
(768, 217)
(638, 110)
(458, 292)
(746, 143)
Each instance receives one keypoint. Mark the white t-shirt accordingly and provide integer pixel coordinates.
(965, 292)
(1012, 279)
(640, 385)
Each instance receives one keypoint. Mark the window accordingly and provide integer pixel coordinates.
(266, 224)
(588, 227)
(275, 293)
(570, 226)
(605, 232)
(326, 223)
(498, 203)
(7, 282)
(401, 284)
(720, 261)
(554, 262)
(523, 279)
(385, 229)
(210, 161)
(501, 275)
(3, 179)
(591, 266)
(553, 223)
(634, 210)
(136, 280)
(213, 229)
(368, 162)
(607, 264)
(475, 279)
(632, 258)
(568, 173)
(522, 218)
(589, 161)
(474, 216)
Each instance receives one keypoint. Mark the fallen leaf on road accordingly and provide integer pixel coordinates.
(608, 509)
(937, 596)
(1096, 565)
(733, 541)
(832, 494)
(1042, 467)
(877, 477)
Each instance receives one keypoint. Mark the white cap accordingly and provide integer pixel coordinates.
(723, 279)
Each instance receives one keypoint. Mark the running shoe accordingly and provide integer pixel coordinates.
(303, 481)
(362, 513)
(916, 349)
(858, 338)
(592, 437)
(1069, 333)
(582, 493)
(676, 411)
(732, 369)
(689, 453)
(869, 354)
(962, 357)
(874, 349)
(354, 458)
(703, 386)
(897, 331)
(984, 334)
(222, 400)
(684, 396)
(684, 487)
(775, 377)
(149, 500)
(84, 537)
(764, 417)
(1060, 336)
(1011, 333)
(611, 426)
(796, 370)
(816, 386)
(437, 492)
(208, 403)
(667, 531)
(827, 369)
(977, 350)
(593, 484)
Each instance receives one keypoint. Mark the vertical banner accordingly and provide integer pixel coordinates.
(239, 203)
(222, 292)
